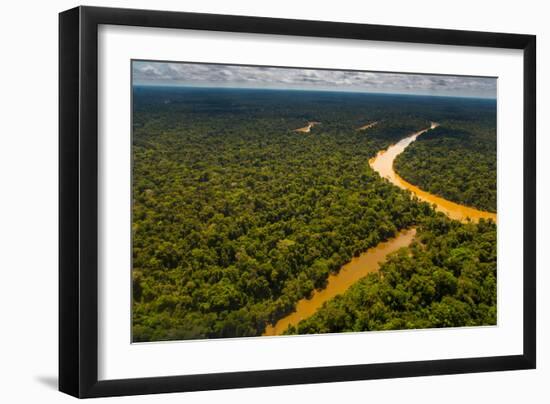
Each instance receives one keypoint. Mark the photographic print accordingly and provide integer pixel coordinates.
(270, 201)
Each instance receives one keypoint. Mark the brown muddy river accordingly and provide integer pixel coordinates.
(338, 283)
(370, 260)
(383, 164)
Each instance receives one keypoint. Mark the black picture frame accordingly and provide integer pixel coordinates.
(78, 201)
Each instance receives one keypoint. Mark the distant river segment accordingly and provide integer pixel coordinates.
(307, 128)
(383, 165)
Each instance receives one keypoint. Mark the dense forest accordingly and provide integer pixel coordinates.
(236, 217)
(457, 160)
(446, 278)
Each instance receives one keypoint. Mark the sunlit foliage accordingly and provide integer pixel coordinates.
(236, 217)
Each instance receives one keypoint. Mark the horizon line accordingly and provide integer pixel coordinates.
(309, 90)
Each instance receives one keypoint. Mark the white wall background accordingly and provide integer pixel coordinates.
(28, 199)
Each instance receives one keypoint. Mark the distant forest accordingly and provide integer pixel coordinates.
(236, 217)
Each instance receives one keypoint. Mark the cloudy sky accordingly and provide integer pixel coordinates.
(210, 75)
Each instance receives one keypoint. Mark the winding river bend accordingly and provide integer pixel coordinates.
(370, 260)
(338, 283)
(383, 164)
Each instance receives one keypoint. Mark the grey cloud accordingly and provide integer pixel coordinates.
(195, 74)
